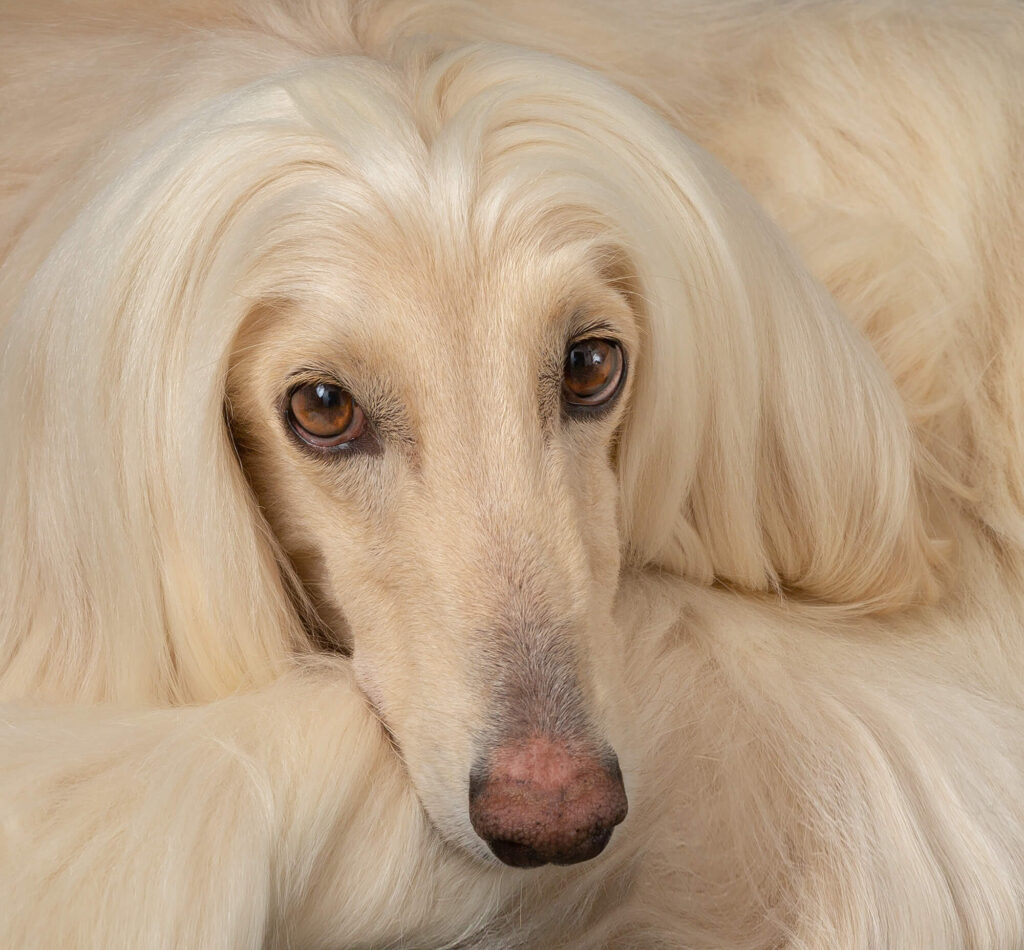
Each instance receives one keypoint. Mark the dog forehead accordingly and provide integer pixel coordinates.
(414, 293)
(467, 301)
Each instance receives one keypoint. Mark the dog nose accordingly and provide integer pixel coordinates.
(538, 802)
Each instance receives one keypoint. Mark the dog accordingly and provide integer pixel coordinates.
(484, 475)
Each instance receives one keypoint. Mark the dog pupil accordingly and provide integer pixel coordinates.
(329, 396)
(322, 409)
(588, 367)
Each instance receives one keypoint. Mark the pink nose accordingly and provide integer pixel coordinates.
(539, 802)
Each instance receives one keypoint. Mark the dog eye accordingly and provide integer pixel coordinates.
(324, 415)
(593, 373)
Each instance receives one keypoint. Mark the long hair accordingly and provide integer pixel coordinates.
(765, 448)
(838, 771)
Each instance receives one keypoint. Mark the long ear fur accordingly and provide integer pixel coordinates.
(766, 447)
(142, 569)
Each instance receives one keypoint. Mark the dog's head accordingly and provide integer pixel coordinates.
(485, 338)
(436, 410)
(430, 430)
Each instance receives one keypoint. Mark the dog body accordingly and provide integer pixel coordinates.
(771, 568)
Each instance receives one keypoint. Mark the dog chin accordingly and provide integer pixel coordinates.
(445, 810)
(448, 814)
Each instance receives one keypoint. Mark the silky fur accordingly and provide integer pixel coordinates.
(786, 573)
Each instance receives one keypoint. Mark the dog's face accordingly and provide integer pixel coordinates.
(432, 441)
(440, 338)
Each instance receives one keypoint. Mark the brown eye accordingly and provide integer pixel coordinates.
(324, 415)
(593, 372)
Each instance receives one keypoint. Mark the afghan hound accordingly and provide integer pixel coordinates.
(512, 475)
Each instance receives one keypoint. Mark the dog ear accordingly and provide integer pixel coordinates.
(136, 553)
(766, 448)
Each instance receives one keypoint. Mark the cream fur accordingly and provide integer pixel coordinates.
(787, 571)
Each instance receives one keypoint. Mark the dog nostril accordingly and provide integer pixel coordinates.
(538, 803)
